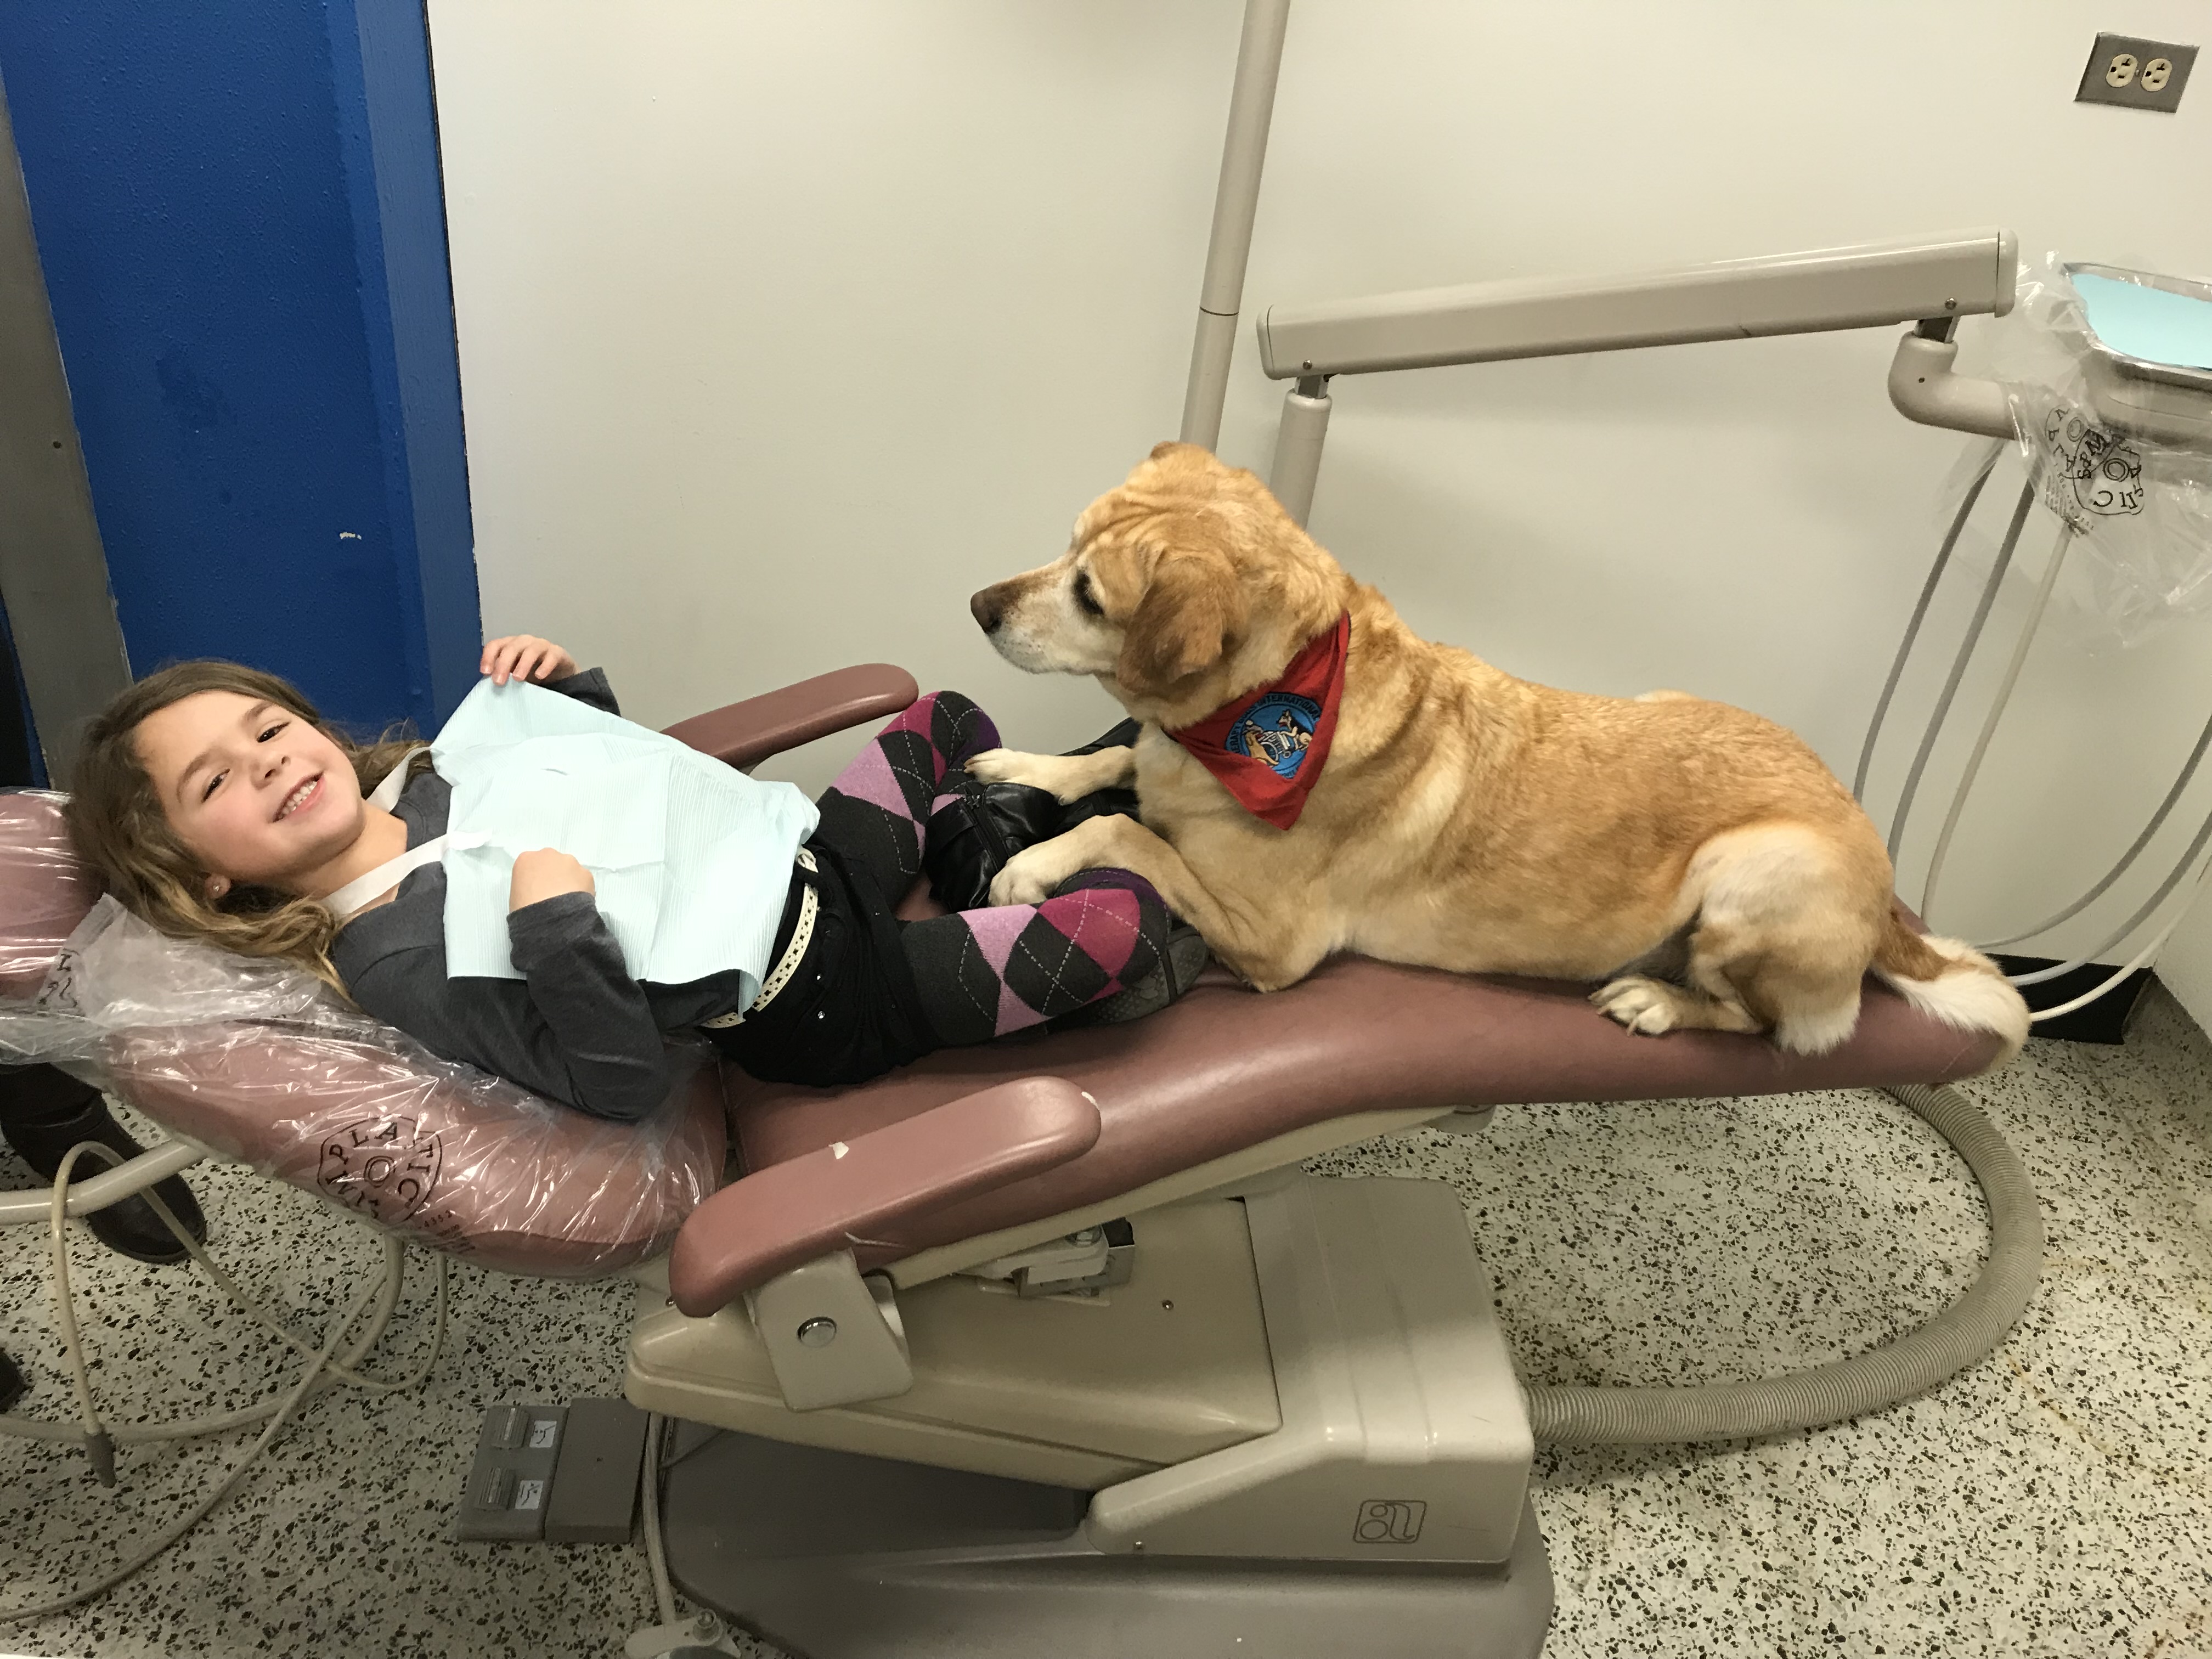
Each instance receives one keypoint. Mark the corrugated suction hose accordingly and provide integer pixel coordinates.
(1968, 1330)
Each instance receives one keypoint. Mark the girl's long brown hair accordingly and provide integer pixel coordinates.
(119, 827)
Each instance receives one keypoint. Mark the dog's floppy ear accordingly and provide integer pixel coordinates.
(1189, 618)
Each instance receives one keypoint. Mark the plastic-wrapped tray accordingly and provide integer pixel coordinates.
(2146, 350)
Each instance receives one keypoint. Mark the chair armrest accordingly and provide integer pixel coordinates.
(829, 1200)
(745, 734)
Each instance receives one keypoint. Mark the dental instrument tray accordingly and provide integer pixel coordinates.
(2145, 342)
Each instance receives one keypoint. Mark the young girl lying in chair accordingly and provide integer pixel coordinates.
(219, 806)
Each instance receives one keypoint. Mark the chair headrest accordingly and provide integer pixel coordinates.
(45, 890)
(441, 1156)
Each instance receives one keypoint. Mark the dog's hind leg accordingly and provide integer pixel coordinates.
(1654, 995)
(1652, 1007)
(1787, 923)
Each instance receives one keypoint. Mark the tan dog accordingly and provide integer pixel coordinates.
(1699, 859)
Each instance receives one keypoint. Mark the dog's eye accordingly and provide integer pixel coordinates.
(1086, 600)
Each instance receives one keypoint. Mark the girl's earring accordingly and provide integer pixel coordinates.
(217, 887)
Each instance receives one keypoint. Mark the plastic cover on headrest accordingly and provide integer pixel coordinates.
(44, 892)
(440, 1154)
(261, 1062)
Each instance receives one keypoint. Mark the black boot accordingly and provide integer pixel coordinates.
(11, 1383)
(1102, 802)
(44, 1112)
(973, 834)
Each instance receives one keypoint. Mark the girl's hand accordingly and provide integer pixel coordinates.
(546, 873)
(525, 656)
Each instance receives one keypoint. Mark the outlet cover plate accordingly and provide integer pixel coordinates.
(2097, 87)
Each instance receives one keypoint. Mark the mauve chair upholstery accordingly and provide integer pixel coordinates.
(1227, 1068)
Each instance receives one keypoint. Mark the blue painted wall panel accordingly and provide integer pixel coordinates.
(221, 200)
(387, 129)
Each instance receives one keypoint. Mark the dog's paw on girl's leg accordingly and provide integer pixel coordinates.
(1069, 777)
(1033, 874)
(1006, 766)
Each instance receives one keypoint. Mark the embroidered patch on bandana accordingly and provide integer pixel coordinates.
(1278, 729)
(1268, 746)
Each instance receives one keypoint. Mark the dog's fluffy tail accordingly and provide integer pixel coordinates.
(1952, 982)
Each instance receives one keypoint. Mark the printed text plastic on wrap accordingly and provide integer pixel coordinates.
(259, 1062)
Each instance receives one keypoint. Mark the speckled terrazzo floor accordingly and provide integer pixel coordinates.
(2055, 1500)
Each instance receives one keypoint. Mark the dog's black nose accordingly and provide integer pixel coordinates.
(984, 607)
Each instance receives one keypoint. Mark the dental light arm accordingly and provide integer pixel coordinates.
(1927, 280)
(1865, 287)
(1922, 388)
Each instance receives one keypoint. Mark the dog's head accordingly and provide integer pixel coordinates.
(1182, 588)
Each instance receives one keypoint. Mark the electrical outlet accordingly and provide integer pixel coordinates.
(2136, 74)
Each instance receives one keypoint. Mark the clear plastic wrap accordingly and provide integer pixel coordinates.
(2121, 447)
(259, 1062)
(44, 891)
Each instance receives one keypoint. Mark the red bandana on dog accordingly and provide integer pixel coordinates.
(1268, 746)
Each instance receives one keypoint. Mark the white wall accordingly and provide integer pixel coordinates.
(783, 328)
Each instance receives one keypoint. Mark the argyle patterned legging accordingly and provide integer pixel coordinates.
(983, 973)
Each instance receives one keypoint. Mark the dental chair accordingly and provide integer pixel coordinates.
(1047, 1346)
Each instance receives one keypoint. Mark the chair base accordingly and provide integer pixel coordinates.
(831, 1555)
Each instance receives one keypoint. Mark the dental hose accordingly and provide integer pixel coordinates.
(1998, 705)
(1942, 710)
(1987, 466)
(656, 1548)
(1967, 1331)
(2145, 956)
(326, 1363)
(2127, 858)
(1975, 1324)
(2142, 914)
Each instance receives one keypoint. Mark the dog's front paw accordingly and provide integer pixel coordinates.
(1031, 874)
(1649, 1007)
(1066, 777)
(1010, 766)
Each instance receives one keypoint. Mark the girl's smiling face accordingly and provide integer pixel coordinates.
(258, 794)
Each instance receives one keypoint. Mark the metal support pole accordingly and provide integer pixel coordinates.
(1251, 107)
(1297, 445)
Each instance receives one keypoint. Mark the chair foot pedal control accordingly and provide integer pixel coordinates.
(595, 1483)
(559, 1474)
(517, 1448)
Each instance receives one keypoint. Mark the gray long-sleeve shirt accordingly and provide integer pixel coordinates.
(576, 1028)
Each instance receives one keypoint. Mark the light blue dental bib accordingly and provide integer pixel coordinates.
(692, 859)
